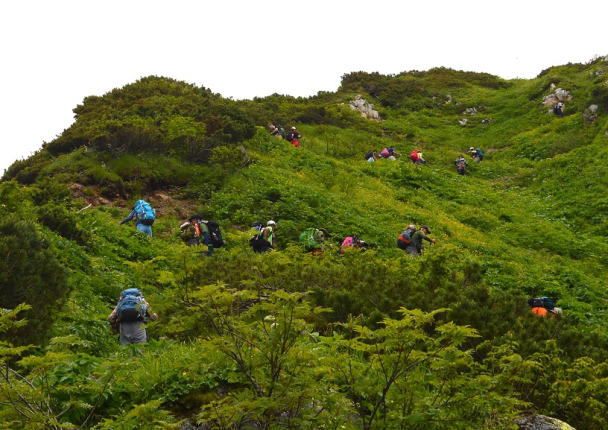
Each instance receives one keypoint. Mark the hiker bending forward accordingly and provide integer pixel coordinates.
(130, 316)
(415, 246)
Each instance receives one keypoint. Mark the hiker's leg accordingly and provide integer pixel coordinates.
(147, 229)
(207, 241)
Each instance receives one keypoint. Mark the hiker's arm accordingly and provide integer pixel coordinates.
(129, 218)
(151, 314)
(428, 239)
(184, 225)
(113, 316)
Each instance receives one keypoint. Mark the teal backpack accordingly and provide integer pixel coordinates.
(145, 212)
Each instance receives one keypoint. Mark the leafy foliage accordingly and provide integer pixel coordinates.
(360, 340)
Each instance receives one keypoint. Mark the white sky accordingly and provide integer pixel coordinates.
(56, 52)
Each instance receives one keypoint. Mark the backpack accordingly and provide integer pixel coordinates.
(479, 153)
(214, 234)
(369, 155)
(132, 306)
(385, 153)
(414, 155)
(406, 236)
(307, 239)
(542, 302)
(145, 212)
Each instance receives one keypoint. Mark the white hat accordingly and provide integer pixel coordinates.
(271, 222)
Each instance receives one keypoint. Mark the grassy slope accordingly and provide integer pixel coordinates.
(528, 217)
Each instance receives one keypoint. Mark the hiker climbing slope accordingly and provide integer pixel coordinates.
(476, 153)
(203, 231)
(130, 316)
(461, 164)
(265, 240)
(144, 215)
(544, 306)
(415, 246)
(294, 137)
(416, 157)
(312, 240)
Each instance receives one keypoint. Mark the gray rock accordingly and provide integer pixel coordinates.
(541, 422)
(559, 95)
(463, 121)
(590, 114)
(364, 108)
(470, 111)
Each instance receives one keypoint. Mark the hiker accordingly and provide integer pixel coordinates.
(130, 316)
(312, 239)
(275, 131)
(476, 153)
(416, 157)
(265, 240)
(405, 238)
(144, 215)
(544, 306)
(294, 137)
(203, 231)
(389, 154)
(558, 109)
(461, 164)
(371, 156)
(352, 242)
(414, 247)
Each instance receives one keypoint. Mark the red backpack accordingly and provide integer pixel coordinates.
(414, 155)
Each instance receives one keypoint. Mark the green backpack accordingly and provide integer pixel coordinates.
(307, 239)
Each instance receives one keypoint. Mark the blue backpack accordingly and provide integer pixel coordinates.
(132, 306)
(145, 212)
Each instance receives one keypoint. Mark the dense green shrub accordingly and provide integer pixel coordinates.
(30, 273)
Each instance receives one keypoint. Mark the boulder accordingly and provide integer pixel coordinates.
(364, 108)
(470, 111)
(559, 95)
(541, 422)
(463, 121)
(590, 114)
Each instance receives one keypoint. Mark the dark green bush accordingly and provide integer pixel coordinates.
(30, 273)
(63, 222)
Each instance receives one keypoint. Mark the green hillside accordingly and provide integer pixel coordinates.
(365, 340)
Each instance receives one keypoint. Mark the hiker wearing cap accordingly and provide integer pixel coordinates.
(275, 131)
(461, 165)
(476, 153)
(196, 231)
(294, 137)
(264, 239)
(415, 245)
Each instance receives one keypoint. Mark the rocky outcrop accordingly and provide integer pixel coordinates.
(541, 422)
(590, 114)
(559, 95)
(364, 108)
